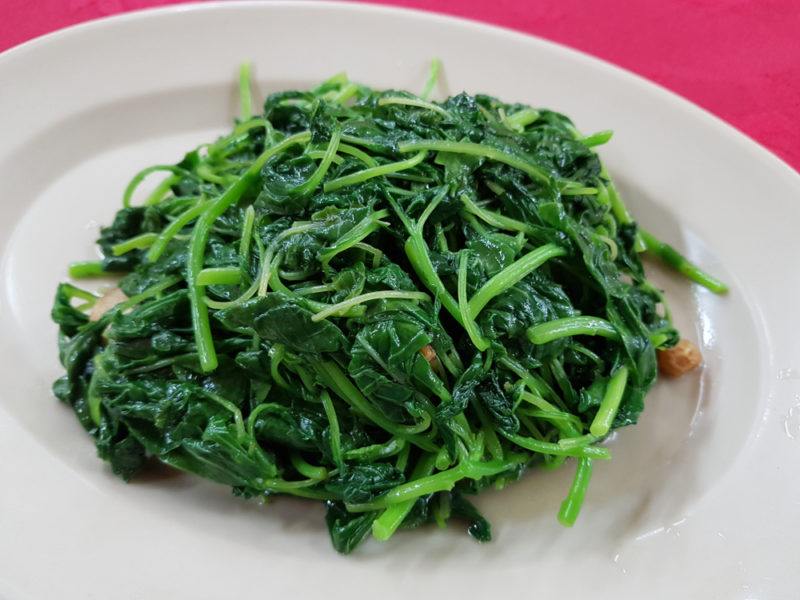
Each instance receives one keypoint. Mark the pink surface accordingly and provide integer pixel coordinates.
(740, 59)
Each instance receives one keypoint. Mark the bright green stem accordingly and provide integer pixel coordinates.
(316, 177)
(376, 452)
(579, 191)
(433, 77)
(342, 307)
(73, 291)
(417, 253)
(544, 333)
(150, 292)
(512, 274)
(472, 149)
(521, 119)
(219, 276)
(86, 268)
(415, 102)
(141, 176)
(571, 506)
(276, 355)
(93, 398)
(271, 268)
(359, 154)
(442, 510)
(344, 388)
(161, 190)
(206, 172)
(171, 230)
(196, 257)
(140, 242)
(281, 486)
(468, 322)
(359, 232)
(253, 418)
(419, 256)
(307, 470)
(344, 94)
(622, 214)
(245, 95)
(360, 176)
(578, 441)
(333, 429)
(609, 405)
(681, 264)
(495, 219)
(247, 232)
(541, 447)
(387, 523)
(597, 139)
(445, 480)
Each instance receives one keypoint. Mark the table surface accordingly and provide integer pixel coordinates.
(739, 59)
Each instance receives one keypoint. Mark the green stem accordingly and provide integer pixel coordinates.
(247, 233)
(387, 523)
(441, 482)
(219, 276)
(468, 322)
(359, 232)
(161, 190)
(496, 219)
(140, 242)
(142, 175)
(419, 256)
(541, 447)
(342, 386)
(245, 95)
(171, 230)
(342, 307)
(86, 268)
(359, 154)
(150, 292)
(609, 405)
(533, 171)
(512, 274)
(307, 470)
(571, 506)
(519, 120)
(333, 429)
(622, 214)
(544, 333)
(597, 139)
(317, 176)
(433, 77)
(360, 176)
(578, 441)
(376, 452)
(343, 95)
(415, 102)
(681, 264)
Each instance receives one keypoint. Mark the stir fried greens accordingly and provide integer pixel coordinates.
(372, 300)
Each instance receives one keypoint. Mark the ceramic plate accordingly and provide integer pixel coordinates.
(702, 499)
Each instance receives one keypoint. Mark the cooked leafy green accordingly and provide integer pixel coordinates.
(373, 300)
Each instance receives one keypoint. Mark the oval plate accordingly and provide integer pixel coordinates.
(701, 499)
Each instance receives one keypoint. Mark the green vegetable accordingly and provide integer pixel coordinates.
(372, 300)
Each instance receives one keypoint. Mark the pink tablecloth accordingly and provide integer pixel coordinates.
(740, 59)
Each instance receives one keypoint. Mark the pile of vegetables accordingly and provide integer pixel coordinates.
(372, 300)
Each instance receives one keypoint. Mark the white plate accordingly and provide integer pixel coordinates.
(702, 499)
